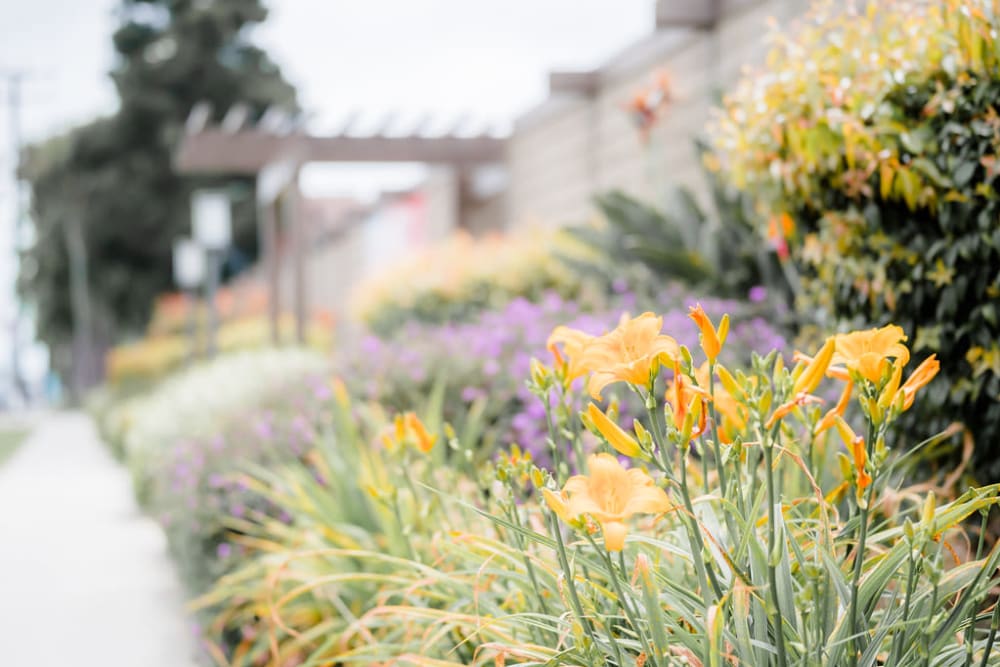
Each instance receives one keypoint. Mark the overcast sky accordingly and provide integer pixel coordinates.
(485, 58)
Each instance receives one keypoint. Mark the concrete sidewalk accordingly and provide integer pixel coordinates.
(85, 578)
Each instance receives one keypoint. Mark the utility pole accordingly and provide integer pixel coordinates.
(14, 80)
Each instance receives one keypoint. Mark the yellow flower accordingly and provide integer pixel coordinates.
(573, 343)
(423, 439)
(829, 419)
(733, 414)
(812, 374)
(806, 382)
(856, 445)
(684, 397)
(407, 428)
(923, 374)
(868, 352)
(610, 494)
(557, 503)
(712, 339)
(613, 433)
(629, 353)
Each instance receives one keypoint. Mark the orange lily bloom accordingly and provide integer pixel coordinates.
(868, 352)
(810, 377)
(629, 353)
(923, 374)
(829, 419)
(733, 414)
(557, 502)
(613, 433)
(712, 339)
(856, 445)
(683, 395)
(611, 495)
(423, 439)
(573, 342)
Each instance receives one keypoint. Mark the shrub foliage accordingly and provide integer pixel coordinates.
(878, 134)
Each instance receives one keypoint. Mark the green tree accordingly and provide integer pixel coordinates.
(112, 180)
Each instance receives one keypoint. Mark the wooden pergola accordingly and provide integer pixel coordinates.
(275, 148)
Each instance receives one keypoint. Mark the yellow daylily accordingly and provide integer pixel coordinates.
(810, 377)
(829, 419)
(919, 378)
(610, 494)
(856, 444)
(407, 428)
(712, 339)
(629, 353)
(557, 502)
(806, 382)
(684, 397)
(733, 414)
(868, 352)
(613, 433)
(421, 436)
(570, 359)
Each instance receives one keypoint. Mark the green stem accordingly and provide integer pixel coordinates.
(994, 627)
(969, 634)
(553, 448)
(859, 555)
(772, 574)
(929, 627)
(623, 601)
(570, 581)
(705, 573)
(899, 640)
(859, 561)
(515, 517)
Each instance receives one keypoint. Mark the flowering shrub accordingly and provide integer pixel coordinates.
(194, 403)
(872, 140)
(457, 278)
(198, 493)
(481, 365)
(155, 356)
(743, 522)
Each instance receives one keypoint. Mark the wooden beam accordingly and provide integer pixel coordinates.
(698, 14)
(246, 152)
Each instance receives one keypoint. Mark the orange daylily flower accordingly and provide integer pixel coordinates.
(424, 440)
(610, 494)
(408, 428)
(923, 374)
(856, 445)
(829, 419)
(629, 353)
(810, 377)
(712, 339)
(733, 414)
(573, 342)
(613, 433)
(806, 382)
(799, 400)
(684, 396)
(868, 352)
(557, 502)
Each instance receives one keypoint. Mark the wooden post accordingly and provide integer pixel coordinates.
(298, 254)
(267, 232)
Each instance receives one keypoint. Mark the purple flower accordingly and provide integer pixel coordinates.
(224, 550)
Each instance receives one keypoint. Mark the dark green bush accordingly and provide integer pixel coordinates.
(878, 134)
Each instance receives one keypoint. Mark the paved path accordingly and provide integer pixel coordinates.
(84, 578)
